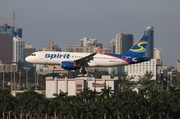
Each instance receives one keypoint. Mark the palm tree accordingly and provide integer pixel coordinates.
(94, 95)
(174, 103)
(117, 105)
(15, 105)
(4, 101)
(105, 97)
(130, 101)
(45, 107)
(123, 80)
(57, 104)
(142, 103)
(73, 107)
(31, 103)
(145, 80)
(54, 106)
(106, 92)
(85, 94)
(91, 109)
(158, 106)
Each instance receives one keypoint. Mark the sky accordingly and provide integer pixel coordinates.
(65, 22)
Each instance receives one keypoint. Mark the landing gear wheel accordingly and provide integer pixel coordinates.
(83, 71)
(55, 67)
(41, 68)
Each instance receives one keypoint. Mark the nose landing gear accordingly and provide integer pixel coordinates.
(41, 68)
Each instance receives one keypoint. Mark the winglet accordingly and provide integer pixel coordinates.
(97, 50)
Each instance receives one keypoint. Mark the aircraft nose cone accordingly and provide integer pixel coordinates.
(27, 59)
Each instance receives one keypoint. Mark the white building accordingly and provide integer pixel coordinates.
(178, 64)
(139, 69)
(18, 49)
(29, 45)
(88, 42)
(157, 56)
(75, 86)
(157, 53)
(8, 67)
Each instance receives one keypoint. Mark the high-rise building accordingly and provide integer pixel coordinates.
(18, 32)
(56, 47)
(88, 42)
(28, 50)
(87, 45)
(89, 49)
(5, 29)
(157, 56)
(29, 45)
(112, 45)
(124, 41)
(6, 48)
(157, 53)
(149, 31)
(51, 47)
(76, 48)
(11, 30)
(18, 49)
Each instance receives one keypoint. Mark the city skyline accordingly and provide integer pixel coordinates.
(66, 22)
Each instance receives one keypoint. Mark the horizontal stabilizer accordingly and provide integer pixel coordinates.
(139, 48)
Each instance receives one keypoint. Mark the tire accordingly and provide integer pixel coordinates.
(83, 71)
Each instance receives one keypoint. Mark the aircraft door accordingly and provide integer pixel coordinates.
(41, 56)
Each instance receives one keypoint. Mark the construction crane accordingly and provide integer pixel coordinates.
(50, 45)
(4, 19)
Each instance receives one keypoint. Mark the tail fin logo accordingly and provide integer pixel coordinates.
(141, 48)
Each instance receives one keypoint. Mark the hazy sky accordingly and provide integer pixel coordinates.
(65, 22)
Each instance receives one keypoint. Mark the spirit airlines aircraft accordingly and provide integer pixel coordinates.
(76, 60)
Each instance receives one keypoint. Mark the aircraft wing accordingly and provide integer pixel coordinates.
(88, 58)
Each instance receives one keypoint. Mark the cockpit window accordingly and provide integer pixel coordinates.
(33, 54)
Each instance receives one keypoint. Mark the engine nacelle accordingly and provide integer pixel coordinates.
(69, 65)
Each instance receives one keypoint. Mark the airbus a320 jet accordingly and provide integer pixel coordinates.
(76, 60)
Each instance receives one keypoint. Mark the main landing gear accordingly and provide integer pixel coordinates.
(83, 71)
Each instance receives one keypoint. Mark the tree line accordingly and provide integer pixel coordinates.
(150, 102)
(147, 103)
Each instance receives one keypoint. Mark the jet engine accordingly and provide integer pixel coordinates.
(69, 65)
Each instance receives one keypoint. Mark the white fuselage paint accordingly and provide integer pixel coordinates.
(99, 60)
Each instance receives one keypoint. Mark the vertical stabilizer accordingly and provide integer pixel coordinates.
(139, 48)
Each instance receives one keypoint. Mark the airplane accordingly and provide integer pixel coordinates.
(77, 60)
